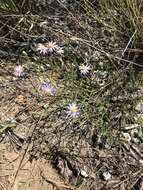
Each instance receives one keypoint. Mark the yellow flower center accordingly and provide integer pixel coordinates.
(74, 109)
(49, 45)
(84, 68)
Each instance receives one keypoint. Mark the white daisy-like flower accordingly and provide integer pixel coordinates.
(48, 88)
(42, 48)
(84, 69)
(51, 46)
(73, 110)
(18, 71)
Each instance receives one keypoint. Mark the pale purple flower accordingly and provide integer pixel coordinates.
(48, 47)
(73, 110)
(18, 71)
(84, 69)
(48, 88)
(42, 48)
(51, 46)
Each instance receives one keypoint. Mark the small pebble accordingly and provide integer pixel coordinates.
(139, 107)
(141, 162)
(106, 176)
(126, 137)
(83, 173)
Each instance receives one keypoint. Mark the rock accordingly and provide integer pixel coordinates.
(126, 137)
(139, 107)
(141, 162)
(83, 173)
(106, 176)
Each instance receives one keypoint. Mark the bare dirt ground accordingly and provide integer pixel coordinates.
(36, 175)
(16, 171)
